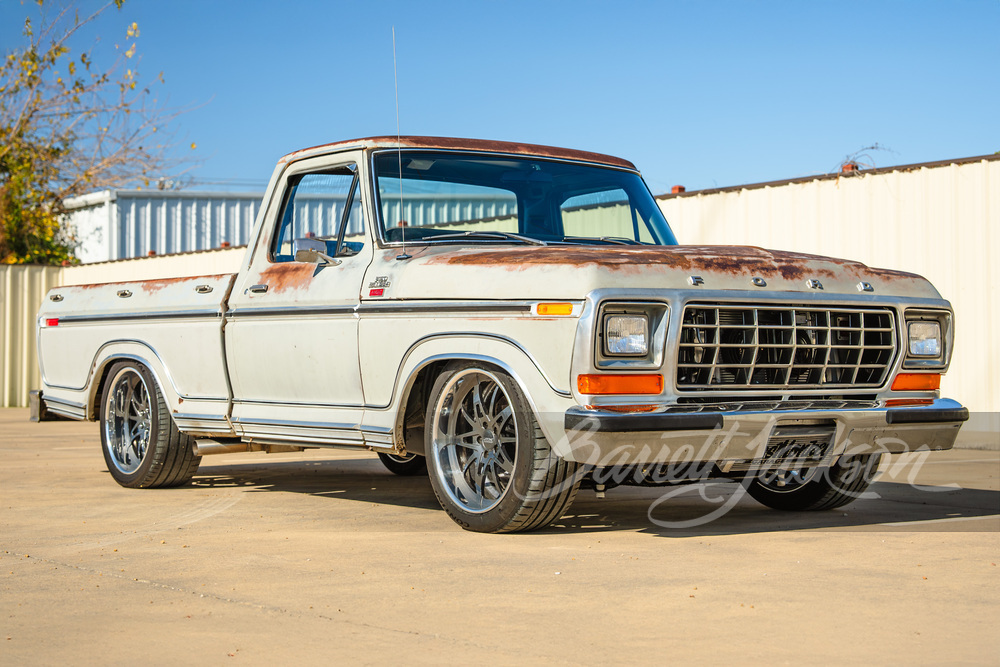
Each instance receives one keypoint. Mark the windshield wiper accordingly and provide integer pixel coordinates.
(509, 236)
(616, 240)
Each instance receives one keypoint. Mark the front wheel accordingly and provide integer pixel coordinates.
(816, 488)
(141, 443)
(490, 465)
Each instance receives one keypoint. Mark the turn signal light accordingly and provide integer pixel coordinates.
(619, 384)
(555, 309)
(917, 382)
(626, 409)
(897, 402)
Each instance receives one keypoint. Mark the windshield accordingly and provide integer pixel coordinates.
(448, 197)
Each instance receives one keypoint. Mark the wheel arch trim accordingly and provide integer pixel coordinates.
(539, 391)
(118, 351)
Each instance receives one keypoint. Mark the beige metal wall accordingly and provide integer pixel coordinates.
(942, 222)
(203, 263)
(22, 289)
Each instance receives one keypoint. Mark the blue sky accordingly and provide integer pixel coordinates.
(702, 94)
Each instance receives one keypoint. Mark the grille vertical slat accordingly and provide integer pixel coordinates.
(754, 346)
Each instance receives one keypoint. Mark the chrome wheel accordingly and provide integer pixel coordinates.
(127, 420)
(474, 440)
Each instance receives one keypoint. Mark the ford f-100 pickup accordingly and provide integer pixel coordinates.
(518, 319)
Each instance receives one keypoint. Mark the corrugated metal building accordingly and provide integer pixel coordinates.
(419, 210)
(118, 224)
(122, 224)
(938, 219)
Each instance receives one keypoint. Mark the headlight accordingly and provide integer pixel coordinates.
(925, 339)
(928, 338)
(630, 335)
(626, 335)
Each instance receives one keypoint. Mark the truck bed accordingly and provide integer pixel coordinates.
(181, 320)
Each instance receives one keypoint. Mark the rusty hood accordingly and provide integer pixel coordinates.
(570, 272)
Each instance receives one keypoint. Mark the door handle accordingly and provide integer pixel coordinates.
(203, 289)
(258, 289)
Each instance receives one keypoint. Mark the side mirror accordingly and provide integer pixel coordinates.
(313, 251)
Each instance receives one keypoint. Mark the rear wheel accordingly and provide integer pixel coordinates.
(816, 488)
(490, 465)
(409, 464)
(140, 441)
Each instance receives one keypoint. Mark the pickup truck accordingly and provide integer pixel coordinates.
(516, 320)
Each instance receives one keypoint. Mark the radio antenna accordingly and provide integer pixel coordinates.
(399, 151)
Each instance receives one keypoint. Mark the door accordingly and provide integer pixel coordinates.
(292, 334)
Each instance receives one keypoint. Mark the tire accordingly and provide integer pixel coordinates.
(490, 466)
(411, 464)
(140, 442)
(823, 489)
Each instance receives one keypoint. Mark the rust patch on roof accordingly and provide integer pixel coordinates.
(454, 143)
(287, 276)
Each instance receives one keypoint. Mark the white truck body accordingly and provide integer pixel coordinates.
(320, 350)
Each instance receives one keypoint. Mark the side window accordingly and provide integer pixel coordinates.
(606, 213)
(324, 206)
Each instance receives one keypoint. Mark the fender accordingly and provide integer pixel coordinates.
(547, 402)
(210, 408)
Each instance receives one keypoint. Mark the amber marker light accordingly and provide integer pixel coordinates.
(619, 384)
(554, 309)
(624, 408)
(917, 382)
(897, 402)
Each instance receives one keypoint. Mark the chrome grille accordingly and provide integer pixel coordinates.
(736, 346)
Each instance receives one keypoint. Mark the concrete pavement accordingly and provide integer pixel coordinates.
(325, 557)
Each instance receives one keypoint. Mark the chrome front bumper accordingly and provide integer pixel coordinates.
(733, 434)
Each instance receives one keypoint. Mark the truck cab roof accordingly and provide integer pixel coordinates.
(458, 144)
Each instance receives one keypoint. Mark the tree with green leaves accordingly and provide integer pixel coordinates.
(70, 126)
